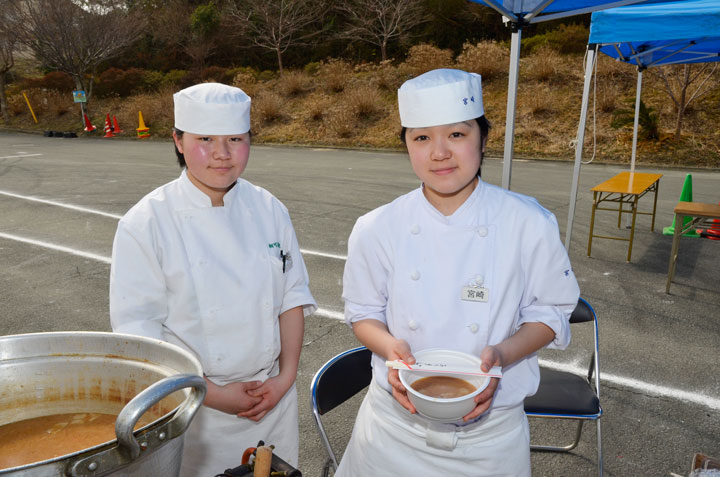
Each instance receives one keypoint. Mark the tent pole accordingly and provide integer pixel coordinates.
(638, 93)
(589, 65)
(511, 103)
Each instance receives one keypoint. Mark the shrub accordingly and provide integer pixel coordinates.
(543, 65)
(267, 107)
(116, 82)
(217, 74)
(363, 101)
(56, 80)
(312, 68)
(606, 100)
(565, 39)
(335, 74)
(487, 58)
(538, 99)
(387, 76)
(246, 82)
(422, 58)
(16, 105)
(293, 83)
(249, 70)
(648, 120)
(317, 108)
(175, 79)
(152, 80)
(266, 75)
(342, 122)
(156, 108)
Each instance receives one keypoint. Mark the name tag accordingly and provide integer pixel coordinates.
(480, 294)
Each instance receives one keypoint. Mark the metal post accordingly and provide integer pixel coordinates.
(511, 104)
(638, 93)
(589, 64)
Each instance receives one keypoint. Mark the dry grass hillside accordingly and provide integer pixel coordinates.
(336, 103)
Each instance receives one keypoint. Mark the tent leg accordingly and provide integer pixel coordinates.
(589, 64)
(638, 93)
(511, 104)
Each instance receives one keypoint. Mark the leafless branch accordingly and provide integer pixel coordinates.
(380, 21)
(276, 25)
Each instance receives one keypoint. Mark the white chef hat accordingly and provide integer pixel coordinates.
(212, 109)
(438, 97)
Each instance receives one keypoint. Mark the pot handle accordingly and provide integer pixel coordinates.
(139, 405)
(128, 449)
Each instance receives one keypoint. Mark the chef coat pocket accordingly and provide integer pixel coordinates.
(278, 281)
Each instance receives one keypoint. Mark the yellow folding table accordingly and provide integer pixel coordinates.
(624, 188)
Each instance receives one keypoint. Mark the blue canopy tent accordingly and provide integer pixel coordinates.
(525, 12)
(647, 36)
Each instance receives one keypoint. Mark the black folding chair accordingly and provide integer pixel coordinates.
(337, 381)
(565, 395)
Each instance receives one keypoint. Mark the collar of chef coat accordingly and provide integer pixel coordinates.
(200, 199)
(464, 215)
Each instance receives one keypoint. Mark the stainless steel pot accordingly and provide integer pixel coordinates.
(42, 374)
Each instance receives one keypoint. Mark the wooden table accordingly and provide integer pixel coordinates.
(624, 188)
(699, 212)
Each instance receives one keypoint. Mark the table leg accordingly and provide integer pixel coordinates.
(674, 251)
(652, 225)
(592, 221)
(632, 226)
(622, 198)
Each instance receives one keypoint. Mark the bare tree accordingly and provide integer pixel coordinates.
(75, 36)
(380, 21)
(276, 25)
(677, 80)
(9, 24)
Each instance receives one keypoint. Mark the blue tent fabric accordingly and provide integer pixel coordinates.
(664, 33)
(554, 8)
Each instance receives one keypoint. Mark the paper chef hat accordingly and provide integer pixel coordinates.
(212, 109)
(440, 97)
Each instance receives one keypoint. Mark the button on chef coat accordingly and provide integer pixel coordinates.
(506, 238)
(209, 279)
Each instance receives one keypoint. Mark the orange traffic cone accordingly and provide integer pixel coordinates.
(142, 130)
(712, 232)
(116, 126)
(108, 127)
(88, 125)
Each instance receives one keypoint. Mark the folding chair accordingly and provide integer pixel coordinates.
(564, 395)
(337, 381)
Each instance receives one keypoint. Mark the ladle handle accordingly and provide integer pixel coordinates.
(153, 394)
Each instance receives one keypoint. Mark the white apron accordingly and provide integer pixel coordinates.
(215, 441)
(388, 440)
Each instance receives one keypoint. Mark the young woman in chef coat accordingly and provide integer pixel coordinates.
(411, 267)
(211, 263)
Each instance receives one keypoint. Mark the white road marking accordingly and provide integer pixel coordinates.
(649, 388)
(53, 246)
(323, 254)
(23, 155)
(335, 315)
(118, 217)
(60, 204)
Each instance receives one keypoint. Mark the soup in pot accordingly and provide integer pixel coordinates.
(47, 437)
(443, 387)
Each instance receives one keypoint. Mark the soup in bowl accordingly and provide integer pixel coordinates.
(443, 396)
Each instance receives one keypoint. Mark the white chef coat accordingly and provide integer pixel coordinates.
(211, 280)
(408, 264)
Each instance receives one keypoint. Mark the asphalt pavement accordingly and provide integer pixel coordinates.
(60, 200)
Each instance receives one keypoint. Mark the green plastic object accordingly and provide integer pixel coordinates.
(685, 196)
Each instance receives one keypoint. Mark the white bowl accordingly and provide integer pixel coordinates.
(440, 409)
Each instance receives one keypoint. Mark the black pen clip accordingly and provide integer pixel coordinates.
(284, 258)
